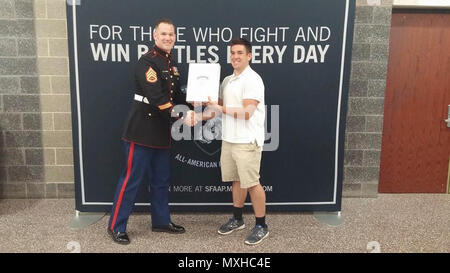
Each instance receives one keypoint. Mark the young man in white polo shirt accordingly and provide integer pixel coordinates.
(241, 103)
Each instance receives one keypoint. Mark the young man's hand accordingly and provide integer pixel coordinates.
(190, 119)
(214, 105)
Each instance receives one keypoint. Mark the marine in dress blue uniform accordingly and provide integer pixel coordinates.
(147, 139)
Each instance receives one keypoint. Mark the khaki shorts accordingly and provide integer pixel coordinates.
(240, 162)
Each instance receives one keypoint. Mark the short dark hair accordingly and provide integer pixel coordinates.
(165, 21)
(242, 41)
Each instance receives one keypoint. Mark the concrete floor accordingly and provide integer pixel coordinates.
(389, 223)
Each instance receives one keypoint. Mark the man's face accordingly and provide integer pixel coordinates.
(239, 57)
(164, 37)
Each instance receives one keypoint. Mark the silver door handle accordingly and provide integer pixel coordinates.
(448, 115)
(448, 122)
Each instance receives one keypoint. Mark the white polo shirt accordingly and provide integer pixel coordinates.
(233, 90)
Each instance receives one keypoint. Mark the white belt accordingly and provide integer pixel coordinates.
(141, 98)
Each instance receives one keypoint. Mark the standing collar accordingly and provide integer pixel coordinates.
(162, 52)
(243, 73)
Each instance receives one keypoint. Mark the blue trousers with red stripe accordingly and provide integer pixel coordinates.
(142, 163)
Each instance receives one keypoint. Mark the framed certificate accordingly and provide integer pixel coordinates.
(203, 82)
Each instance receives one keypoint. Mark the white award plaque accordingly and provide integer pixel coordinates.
(203, 82)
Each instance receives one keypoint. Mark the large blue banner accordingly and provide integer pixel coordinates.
(302, 51)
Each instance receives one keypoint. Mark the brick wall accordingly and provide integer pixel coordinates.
(366, 97)
(35, 128)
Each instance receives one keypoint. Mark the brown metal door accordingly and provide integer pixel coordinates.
(416, 140)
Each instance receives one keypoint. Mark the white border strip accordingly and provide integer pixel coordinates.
(339, 101)
(77, 86)
(74, 22)
(217, 204)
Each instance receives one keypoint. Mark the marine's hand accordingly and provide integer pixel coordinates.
(191, 118)
(188, 119)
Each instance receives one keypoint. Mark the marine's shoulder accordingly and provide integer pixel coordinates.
(151, 58)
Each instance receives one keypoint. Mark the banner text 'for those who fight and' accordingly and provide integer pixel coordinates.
(308, 44)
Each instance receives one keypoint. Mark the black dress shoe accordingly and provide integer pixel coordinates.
(170, 228)
(119, 237)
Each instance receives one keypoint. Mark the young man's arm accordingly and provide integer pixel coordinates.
(245, 112)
